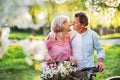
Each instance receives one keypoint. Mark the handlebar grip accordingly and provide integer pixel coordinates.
(93, 69)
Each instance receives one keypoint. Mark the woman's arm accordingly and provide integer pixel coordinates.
(48, 41)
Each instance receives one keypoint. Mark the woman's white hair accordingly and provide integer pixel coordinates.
(58, 23)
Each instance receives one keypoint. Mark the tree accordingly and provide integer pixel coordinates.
(39, 13)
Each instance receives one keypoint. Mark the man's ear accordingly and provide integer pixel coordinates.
(83, 25)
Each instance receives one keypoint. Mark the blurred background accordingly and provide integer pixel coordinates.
(24, 23)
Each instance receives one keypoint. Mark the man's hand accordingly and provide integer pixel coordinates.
(100, 65)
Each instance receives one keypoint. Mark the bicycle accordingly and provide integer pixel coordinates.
(93, 71)
(114, 78)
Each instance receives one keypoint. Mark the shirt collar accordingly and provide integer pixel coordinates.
(85, 32)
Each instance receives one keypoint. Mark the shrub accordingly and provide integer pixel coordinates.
(14, 58)
(111, 62)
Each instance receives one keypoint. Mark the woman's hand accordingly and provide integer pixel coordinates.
(48, 59)
(73, 61)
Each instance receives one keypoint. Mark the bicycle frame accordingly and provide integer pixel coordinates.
(93, 71)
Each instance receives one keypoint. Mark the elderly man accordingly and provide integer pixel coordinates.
(83, 43)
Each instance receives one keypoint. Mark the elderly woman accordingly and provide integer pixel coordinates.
(58, 40)
(58, 44)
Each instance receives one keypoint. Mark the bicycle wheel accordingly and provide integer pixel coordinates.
(114, 78)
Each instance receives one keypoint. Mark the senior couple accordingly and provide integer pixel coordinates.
(76, 45)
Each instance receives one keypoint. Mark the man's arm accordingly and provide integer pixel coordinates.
(100, 52)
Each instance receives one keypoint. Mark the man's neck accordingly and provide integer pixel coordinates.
(82, 30)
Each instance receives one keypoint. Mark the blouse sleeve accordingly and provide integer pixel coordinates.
(49, 42)
(49, 39)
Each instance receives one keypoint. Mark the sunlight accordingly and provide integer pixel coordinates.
(38, 78)
(23, 20)
(41, 16)
(60, 1)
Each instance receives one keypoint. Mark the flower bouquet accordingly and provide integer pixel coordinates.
(57, 70)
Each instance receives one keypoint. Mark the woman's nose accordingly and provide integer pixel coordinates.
(71, 24)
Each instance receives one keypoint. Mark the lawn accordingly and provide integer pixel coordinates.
(111, 62)
(111, 36)
(23, 35)
(14, 67)
(22, 74)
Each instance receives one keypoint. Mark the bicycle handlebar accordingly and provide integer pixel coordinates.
(93, 69)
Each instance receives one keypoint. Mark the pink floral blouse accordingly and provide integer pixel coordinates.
(58, 50)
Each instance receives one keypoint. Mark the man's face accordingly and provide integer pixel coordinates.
(76, 24)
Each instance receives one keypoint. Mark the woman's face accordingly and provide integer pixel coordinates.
(67, 26)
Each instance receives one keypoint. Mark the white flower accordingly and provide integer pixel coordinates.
(34, 47)
(113, 3)
(63, 69)
(4, 40)
(60, 1)
(26, 46)
(38, 49)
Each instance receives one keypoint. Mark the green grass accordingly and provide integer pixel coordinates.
(14, 67)
(14, 58)
(111, 63)
(23, 74)
(23, 35)
(110, 36)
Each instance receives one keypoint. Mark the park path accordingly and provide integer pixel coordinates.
(110, 42)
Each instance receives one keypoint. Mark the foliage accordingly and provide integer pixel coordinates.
(23, 74)
(18, 35)
(34, 10)
(14, 58)
(111, 36)
(69, 7)
(12, 54)
(113, 59)
(21, 12)
(115, 20)
(23, 35)
(111, 63)
(14, 66)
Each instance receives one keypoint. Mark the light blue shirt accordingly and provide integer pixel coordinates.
(90, 42)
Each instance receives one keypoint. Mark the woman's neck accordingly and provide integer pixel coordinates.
(61, 36)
